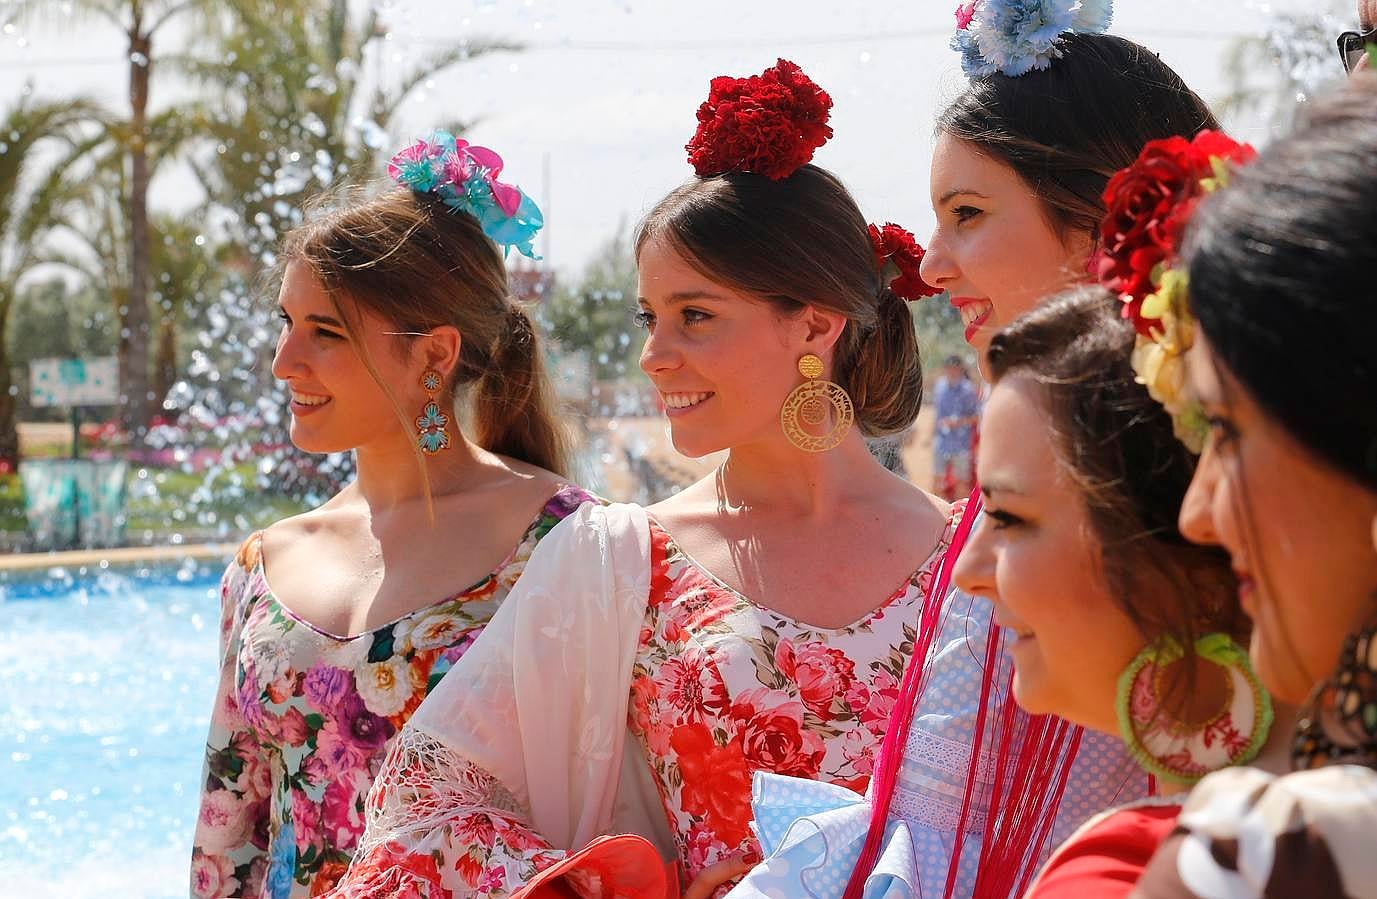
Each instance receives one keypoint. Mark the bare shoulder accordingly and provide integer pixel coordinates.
(906, 496)
(695, 503)
(534, 475)
(323, 524)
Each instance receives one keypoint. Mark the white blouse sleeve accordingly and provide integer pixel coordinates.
(519, 755)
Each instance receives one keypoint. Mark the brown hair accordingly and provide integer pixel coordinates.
(1118, 447)
(408, 258)
(796, 242)
(1065, 130)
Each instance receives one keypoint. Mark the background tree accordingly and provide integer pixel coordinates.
(27, 214)
(186, 264)
(594, 317)
(1290, 58)
(294, 113)
(139, 22)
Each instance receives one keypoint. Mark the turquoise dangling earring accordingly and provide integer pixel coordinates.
(432, 422)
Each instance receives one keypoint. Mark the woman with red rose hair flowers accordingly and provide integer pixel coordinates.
(651, 661)
(1021, 163)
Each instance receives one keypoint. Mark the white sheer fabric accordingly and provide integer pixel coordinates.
(506, 732)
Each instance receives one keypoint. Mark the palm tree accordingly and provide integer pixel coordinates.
(27, 214)
(93, 182)
(139, 22)
(292, 115)
(185, 262)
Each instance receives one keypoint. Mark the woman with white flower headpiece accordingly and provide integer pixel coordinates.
(336, 623)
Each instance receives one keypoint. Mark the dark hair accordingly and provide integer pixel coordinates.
(1066, 129)
(1283, 279)
(1118, 447)
(795, 242)
(406, 257)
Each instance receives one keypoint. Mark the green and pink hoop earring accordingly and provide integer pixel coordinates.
(1180, 752)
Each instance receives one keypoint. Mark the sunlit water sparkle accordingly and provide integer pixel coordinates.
(106, 684)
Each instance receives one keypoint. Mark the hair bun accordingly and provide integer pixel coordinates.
(767, 124)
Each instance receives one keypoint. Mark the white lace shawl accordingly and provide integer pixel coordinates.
(532, 720)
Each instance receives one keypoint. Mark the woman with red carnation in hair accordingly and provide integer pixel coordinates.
(651, 661)
(1022, 160)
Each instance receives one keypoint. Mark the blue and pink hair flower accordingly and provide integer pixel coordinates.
(1014, 37)
(465, 178)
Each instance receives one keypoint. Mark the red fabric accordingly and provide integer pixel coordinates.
(1106, 861)
(622, 866)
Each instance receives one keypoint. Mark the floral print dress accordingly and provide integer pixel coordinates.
(303, 719)
(724, 688)
(720, 688)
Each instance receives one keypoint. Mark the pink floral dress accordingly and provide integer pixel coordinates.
(720, 688)
(724, 688)
(303, 719)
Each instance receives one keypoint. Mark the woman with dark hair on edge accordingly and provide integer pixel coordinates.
(1277, 281)
(396, 314)
(651, 660)
(1020, 167)
(1123, 626)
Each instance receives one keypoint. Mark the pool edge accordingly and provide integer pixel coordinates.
(121, 556)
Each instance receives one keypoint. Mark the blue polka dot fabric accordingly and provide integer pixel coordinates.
(811, 834)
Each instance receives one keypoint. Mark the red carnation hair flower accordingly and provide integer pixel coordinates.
(768, 124)
(894, 246)
(1147, 206)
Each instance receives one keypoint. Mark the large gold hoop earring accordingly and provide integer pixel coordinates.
(807, 405)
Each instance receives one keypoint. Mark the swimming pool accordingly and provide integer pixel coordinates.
(106, 682)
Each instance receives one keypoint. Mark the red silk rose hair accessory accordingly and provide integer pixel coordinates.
(1147, 208)
(897, 256)
(768, 124)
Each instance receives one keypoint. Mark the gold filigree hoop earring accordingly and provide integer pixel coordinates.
(807, 404)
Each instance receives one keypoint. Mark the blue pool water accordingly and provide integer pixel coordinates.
(106, 684)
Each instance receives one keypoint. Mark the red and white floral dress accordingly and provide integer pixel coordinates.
(724, 688)
(719, 688)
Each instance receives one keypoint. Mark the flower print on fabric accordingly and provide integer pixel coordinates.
(303, 720)
(723, 688)
(720, 689)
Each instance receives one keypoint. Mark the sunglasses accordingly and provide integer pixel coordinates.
(1352, 46)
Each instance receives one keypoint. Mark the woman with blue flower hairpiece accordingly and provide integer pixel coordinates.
(336, 623)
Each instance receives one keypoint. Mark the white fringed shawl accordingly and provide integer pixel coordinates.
(532, 720)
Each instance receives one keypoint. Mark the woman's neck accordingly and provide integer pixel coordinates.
(394, 472)
(783, 479)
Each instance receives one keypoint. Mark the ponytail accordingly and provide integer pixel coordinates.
(513, 403)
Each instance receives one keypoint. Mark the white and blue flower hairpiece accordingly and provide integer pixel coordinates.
(1014, 37)
(464, 177)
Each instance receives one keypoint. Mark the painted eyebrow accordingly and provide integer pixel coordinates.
(957, 192)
